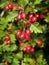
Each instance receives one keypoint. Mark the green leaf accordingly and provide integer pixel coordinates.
(37, 2)
(1, 64)
(3, 3)
(30, 60)
(15, 62)
(36, 28)
(12, 37)
(47, 18)
(23, 3)
(19, 55)
(2, 33)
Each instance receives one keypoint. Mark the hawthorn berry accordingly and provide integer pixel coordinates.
(7, 37)
(28, 48)
(32, 50)
(6, 8)
(28, 32)
(10, 5)
(19, 17)
(46, 11)
(39, 42)
(18, 33)
(7, 41)
(6, 63)
(24, 49)
(30, 16)
(27, 36)
(42, 16)
(37, 15)
(21, 43)
(22, 36)
(23, 14)
(34, 19)
(19, 7)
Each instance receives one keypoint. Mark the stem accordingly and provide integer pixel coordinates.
(2, 13)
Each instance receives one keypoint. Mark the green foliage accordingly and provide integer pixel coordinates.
(12, 52)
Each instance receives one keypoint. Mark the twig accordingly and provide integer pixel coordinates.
(2, 13)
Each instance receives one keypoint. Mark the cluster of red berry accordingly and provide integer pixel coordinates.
(29, 49)
(9, 6)
(7, 39)
(23, 35)
(21, 16)
(31, 17)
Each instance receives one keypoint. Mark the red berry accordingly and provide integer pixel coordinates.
(14, 7)
(6, 63)
(46, 10)
(21, 43)
(28, 48)
(19, 17)
(28, 32)
(34, 19)
(32, 50)
(7, 41)
(10, 5)
(6, 8)
(18, 33)
(37, 15)
(48, 26)
(42, 16)
(22, 36)
(19, 7)
(25, 49)
(27, 36)
(7, 37)
(30, 16)
(39, 42)
(23, 15)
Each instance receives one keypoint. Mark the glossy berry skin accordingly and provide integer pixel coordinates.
(32, 50)
(34, 19)
(39, 42)
(10, 5)
(30, 16)
(7, 37)
(22, 36)
(18, 33)
(37, 15)
(28, 32)
(27, 37)
(23, 15)
(6, 8)
(7, 41)
(25, 49)
(28, 48)
(19, 17)
(19, 7)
